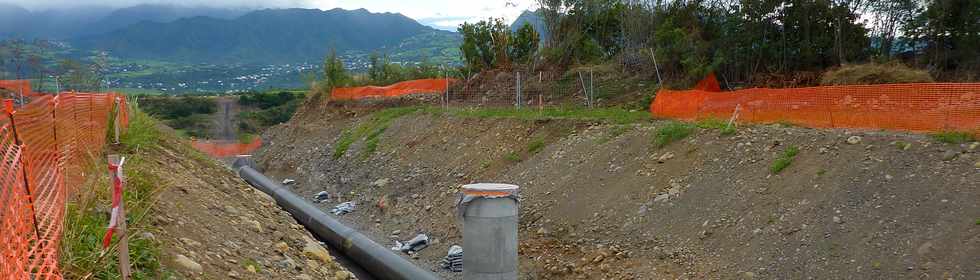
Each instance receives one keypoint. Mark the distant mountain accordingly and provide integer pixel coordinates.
(157, 13)
(535, 20)
(17, 22)
(265, 36)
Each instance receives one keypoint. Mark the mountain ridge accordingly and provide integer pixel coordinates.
(261, 36)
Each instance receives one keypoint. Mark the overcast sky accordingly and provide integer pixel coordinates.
(444, 14)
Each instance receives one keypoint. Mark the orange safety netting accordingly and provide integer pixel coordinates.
(932, 107)
(19, 86)
(221, 149)
(43, 148)
(430, 86)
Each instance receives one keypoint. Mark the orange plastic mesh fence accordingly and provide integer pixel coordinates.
(424, 86)
(221, 149)
(931, 107)
(19, 87)
(43, 146)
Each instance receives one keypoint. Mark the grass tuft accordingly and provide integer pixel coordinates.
(953, 137)
(784, 160)
(672, 132)
(512, 156)
(142, 131)
(370, 131)
(535, 146)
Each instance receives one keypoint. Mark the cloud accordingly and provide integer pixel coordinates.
(443, 14)
(67, 4)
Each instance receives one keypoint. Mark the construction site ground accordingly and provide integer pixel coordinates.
(600, 201)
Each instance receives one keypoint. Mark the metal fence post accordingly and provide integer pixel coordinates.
(591, 88)
(517, 91)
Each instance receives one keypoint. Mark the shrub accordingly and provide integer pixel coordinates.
(874, 73)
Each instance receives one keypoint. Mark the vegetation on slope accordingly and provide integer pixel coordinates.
(189, 114)
(874, 73)
(268, 109)
(87, 214)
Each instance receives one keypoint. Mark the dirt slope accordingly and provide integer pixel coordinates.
(600, 202)
(208, 215)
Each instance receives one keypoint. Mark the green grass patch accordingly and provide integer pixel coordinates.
(512, 156)
(371, 142)
(246, 138)
(85, 224)
(953, 137)
(535, 146)
(609, 115)
(370, 130)
(672, 132)
(142, 131)
(784, 160)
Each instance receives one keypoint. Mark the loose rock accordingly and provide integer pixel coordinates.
(313, 250)
(188, 264)
(950, 155)
(854, 140)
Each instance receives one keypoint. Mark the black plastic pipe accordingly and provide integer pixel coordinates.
(379, 261)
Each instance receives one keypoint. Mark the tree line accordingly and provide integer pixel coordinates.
(740, 40)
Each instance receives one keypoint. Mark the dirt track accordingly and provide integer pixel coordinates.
(225, 121)
(600, 202)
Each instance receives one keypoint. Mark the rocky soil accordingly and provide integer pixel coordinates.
(599, 201)
(212, 225)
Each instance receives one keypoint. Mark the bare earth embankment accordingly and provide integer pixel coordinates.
(601, 201)
(210, 224)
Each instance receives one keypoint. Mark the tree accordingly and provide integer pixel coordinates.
(480, 48)
(334, 73)
(524, 44)
(951, 31)
(490, 44)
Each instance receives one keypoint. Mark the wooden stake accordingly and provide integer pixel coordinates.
(124, 268)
